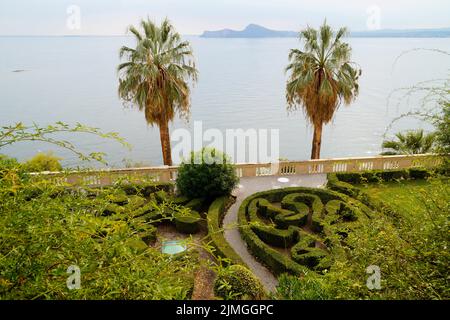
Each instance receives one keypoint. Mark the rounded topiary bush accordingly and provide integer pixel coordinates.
(207, 174)
(238, 282)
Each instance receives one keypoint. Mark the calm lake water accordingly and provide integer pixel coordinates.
(241, 85)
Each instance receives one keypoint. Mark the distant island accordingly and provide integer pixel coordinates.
(251, 31)
(257, 31)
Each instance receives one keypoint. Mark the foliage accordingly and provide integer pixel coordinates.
(207, 174)
(442, 124)
(215, 232)
(43, 162)
(408, 240)
(371, 176)
(238, 282)
(155, 76)
(433, 108)
(410, 142)
(311, 287)
(22, 133)
(7, 162)
(44, 229)
(332, 216)
(320, 77)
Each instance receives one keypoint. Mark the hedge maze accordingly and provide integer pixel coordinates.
(294, 229)
(143, 208)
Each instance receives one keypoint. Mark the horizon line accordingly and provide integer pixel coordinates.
(126, 35)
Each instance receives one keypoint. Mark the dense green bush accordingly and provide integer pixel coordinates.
(43, 162)
(238, 282)
(7, 162)
(207, 174)
(418, 173)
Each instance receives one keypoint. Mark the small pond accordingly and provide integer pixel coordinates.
(173, 246)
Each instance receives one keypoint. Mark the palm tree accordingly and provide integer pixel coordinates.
(410, 142)
(321, 76)
(155, 77)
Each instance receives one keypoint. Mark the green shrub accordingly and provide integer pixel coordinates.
(134, 202)
(349, 177)
(418, 173)
(283, 221)
(275, 237)
(215, 215)
(145, 189)
(195, 204)
(187, 221)
(148, 236)
(306, 253)
(343, 187)
(113, 209)
(7, 163)
(309, 287)
(43, 162)
(391, 175)
(207, 174)
(238, 282)
(336, 180)
(117, 198)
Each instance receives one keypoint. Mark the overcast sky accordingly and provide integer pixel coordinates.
(111, 17)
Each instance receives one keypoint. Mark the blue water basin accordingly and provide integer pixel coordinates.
(173, 246)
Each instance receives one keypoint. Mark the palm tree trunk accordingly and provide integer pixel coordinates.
(317, 141)
(165, 143)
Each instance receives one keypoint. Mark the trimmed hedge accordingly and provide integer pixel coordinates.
(215, 215)
(187, 222)
(306, 253)
(379, 175)
(276, 237)
(145, 189)
(259, 236)
(276, 261)
(270, 234)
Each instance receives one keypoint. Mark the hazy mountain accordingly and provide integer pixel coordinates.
(251, 31)
(256, 31)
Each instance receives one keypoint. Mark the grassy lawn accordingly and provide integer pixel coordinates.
(407, 196)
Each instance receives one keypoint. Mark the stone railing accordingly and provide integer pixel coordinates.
(167, 174)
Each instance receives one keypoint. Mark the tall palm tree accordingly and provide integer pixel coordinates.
(155, 77)
(410, 142)
(321, 76)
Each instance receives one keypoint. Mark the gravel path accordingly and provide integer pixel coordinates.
(247, 187)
